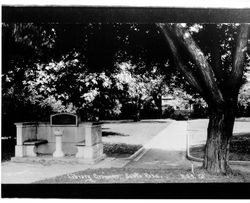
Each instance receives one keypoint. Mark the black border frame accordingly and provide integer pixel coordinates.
(129, 191)
(74, 14)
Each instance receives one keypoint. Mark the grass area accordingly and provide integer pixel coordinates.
(139, 175)
(120, 150)
(240, 144)
(239, 148)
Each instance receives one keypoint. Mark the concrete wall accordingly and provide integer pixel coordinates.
(88, 132)
(25, 131)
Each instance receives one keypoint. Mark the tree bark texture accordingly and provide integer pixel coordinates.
(137, 116)
(222, 104)
(219, 133)
(205, 71)
(234, 81)
(158, 102)
(187, 72)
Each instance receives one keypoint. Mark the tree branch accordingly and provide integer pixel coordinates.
(205, 70)
(215, 52)
(188, 74)
(236, 74)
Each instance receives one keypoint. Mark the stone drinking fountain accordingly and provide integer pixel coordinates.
(64, 136)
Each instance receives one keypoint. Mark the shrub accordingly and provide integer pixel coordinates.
(168, 112)
(243, 110)
(199, 111)
(180, 115)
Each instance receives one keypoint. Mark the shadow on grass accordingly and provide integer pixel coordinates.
(132, 121)
(152, 121)
(239, 148)
(105, 128)
(115, 121)
(120, 150)
(8, 149)
(110, 133)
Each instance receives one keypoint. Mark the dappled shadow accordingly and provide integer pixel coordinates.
(152, 122)
(160, 159)
(110, 133)
(120, 150)
(116, 121)
(239, 148)
(240, 144)
(105, 128)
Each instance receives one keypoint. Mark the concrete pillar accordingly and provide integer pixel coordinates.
(19, 134)
(58, 135)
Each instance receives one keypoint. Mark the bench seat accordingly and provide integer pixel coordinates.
(35, 142)
(81, 144)
(30, 147)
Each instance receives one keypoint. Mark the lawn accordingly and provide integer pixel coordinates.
(140, 175)
(239, 146)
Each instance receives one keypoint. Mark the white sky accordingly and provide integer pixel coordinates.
(137, 3)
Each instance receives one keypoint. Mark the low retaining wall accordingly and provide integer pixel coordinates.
(86, 132)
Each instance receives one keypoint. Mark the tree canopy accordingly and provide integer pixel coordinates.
(101, 71)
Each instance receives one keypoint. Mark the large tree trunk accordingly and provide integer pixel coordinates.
(219, 92)
(158, 102)
(137, 116)
(219, 133)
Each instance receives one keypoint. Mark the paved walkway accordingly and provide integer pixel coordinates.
(165, 150)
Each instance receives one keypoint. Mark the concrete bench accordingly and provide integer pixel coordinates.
(89, 153)
(31, 145)
(35, 142)
(80, 149)
(82, 139)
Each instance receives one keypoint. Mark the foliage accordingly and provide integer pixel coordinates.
(200, 109)
(168, 112)
(41, 67)
(101, 71)
(244, 100)
(119, 149)
(217, 74)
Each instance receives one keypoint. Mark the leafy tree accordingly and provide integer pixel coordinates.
(218, 82)
(42, 66)
(32, 50)
(23, 45)
(244, 99)
(141, 86)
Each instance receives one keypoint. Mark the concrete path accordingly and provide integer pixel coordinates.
(165, 150)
